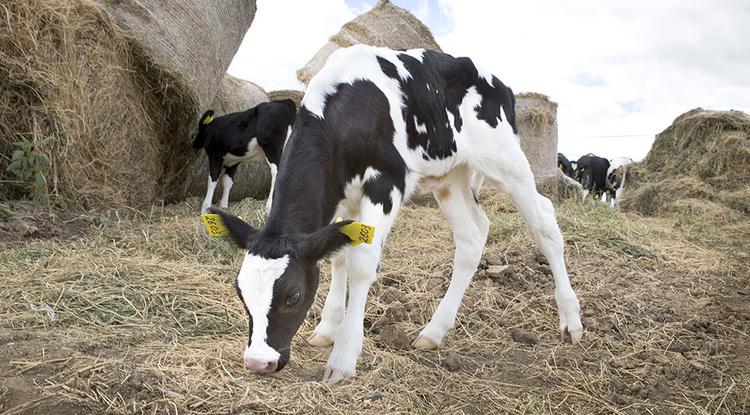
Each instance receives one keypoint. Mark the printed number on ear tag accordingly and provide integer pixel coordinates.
(214, 224)
(358, 232)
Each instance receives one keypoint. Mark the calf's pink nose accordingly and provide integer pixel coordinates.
(261, 365)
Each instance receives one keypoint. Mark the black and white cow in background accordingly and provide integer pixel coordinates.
(565, 165)
(375, 126)
(256, 134)
(591, 172)
(616, 175)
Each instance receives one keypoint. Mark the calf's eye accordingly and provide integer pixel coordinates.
(293, 298)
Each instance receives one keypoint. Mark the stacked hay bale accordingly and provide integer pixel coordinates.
(699, 165)
(109, 92)
(536, 119)
(253, 178)
(384, 25)
(282, 94)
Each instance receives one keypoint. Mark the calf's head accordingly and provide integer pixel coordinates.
(277, 283)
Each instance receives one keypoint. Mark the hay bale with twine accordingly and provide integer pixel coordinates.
(283, 94)
(703, 155)
(384, 25)
(536, 119)
(100, 98)
(253, 178)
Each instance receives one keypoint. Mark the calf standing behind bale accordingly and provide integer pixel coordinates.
(255, 134)
(253, 177)
(375, 125)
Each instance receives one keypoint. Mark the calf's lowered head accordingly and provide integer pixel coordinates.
(277, 284)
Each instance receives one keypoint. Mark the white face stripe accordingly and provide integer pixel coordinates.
(255, 282)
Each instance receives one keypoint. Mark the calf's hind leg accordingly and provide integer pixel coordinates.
(470, 226)
(503, 162)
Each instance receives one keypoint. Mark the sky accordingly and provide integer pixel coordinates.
(620, 71)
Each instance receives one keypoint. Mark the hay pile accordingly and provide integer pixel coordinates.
(253, 178)
(143, 317)
(112, 106)
(702, 158)
(385, 25)
(536, 119)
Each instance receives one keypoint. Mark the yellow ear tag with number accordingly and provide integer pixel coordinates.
(357, 232)
(214, 224)
(208, 120)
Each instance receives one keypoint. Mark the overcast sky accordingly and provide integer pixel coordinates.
(620, 71)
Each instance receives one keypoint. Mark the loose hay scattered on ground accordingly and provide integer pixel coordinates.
(139, 314)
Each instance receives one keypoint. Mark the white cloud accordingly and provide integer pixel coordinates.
(592, 57)
(615, 68)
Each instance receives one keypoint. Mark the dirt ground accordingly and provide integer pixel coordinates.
(135, 312)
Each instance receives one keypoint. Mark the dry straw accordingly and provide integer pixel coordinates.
(147, 320)
(385, 25)
(703, 155)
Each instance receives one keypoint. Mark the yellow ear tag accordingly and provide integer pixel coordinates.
(357, 232)
(214, 224)
(208, 120)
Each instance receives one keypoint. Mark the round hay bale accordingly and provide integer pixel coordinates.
(282, 94)
(703, 155)
(384, 25)
(194, 39)
(536, 118)
(112, 109)
(253, 178)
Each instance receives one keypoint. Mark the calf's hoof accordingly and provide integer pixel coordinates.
(575, 335)
(425, 343)
(334, 376)
(318, 340)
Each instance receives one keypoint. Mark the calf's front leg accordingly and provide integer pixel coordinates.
(361, 271)
(214, 171)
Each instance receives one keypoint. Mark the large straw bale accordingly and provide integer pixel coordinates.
(253, 179)
(384, 25)
(536, 118)
(703, 155)
(193, 38)
(110, 92)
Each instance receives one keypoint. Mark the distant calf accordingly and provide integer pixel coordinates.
(255, 134)
(616, 173)
(565, 165)
(591, 172)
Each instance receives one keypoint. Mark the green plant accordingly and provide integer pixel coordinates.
(30, 164)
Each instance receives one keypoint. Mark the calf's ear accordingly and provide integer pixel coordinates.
(200, 136)
(323, 241)
(239, 230)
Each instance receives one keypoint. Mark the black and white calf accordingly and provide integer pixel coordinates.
(565, 165)
(591, 172)
(256, 134)
(375, 126)
(616, 175)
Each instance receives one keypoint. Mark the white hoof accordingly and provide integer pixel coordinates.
(334, 376)
(425, 343)
(318, 340)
